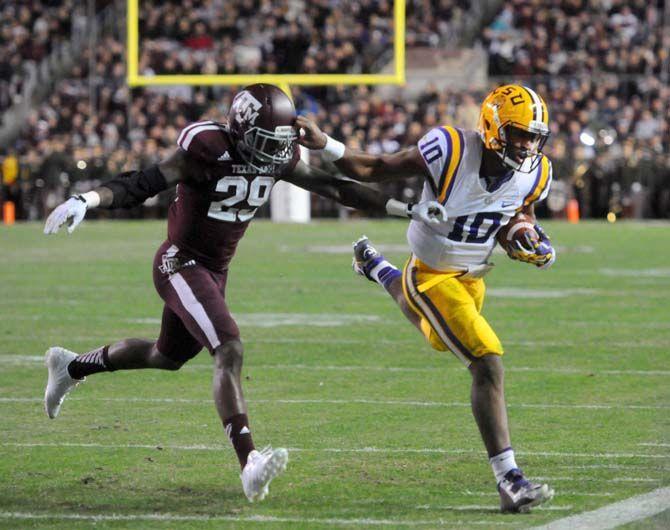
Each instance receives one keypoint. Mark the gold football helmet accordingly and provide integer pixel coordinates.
(514, 123)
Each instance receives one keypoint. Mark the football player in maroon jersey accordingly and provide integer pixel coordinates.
(223, 173)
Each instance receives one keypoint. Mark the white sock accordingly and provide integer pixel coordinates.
(384, 273)
(502, 463)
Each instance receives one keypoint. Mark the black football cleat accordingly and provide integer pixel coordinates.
(366, 257)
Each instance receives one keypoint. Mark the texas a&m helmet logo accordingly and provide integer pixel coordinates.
(245, 108)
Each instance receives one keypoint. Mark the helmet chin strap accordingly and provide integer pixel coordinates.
(507, 161)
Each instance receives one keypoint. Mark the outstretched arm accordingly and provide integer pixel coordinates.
(355, 195)
(134, 187)
(126, 190)
(358, 165)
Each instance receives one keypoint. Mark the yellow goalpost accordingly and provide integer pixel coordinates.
(396, 78)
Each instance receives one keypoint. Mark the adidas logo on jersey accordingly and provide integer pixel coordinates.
(225, 156)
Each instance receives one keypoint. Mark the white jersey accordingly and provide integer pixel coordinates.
(453, 158)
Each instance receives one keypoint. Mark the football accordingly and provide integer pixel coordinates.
(520, 228)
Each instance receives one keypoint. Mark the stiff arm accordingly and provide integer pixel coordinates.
(363, 166)
(351, 193)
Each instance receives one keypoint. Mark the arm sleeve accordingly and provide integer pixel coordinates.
(134, 187)
(340, 189)
(355, 195)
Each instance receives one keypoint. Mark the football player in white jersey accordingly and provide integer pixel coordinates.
(483, 178)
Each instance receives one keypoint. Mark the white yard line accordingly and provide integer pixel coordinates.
(8, 358)
(627, 467)
(361, 401)
(587, 371)
(596, 479)
(617, 514)
(381, 450)
(244, 519)
(416, 342)
(653, 444)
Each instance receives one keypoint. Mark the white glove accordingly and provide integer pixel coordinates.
(429, 212)
(72, 210)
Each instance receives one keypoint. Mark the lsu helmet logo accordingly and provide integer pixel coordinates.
(246, 108)
(514, 107)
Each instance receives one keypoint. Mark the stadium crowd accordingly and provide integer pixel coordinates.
(557, 37)
(289, 36)
(609, 145)
(28, 33)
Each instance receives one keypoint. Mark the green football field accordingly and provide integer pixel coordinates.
(378, 425)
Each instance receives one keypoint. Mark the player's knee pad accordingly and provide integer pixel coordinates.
(228, 356)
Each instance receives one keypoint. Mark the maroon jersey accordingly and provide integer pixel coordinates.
(219, 198)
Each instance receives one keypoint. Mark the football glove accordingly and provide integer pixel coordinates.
(71, 211)
(540, 253)
(429, 212)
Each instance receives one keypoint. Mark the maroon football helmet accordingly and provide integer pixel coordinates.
(261, 122)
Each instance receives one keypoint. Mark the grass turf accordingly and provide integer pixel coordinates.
(378, 424)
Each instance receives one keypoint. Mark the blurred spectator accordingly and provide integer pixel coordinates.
(556, 37)
(29, 31)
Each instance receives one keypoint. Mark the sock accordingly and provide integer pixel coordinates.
(502, 463)
(384, 273)
(90, 363)
(237, 429)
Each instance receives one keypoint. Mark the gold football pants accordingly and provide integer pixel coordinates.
(450, 310)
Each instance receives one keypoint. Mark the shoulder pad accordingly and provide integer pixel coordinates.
(542, 182)
(206, 140)
(442, 150)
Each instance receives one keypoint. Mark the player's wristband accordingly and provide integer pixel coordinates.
(399, 209)
(333, 150)
(91, 199)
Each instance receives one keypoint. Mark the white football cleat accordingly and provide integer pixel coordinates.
(260, 469)
(60, 382)
(518, 495)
